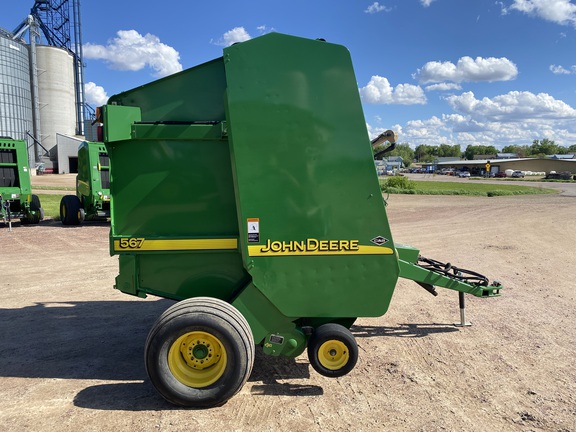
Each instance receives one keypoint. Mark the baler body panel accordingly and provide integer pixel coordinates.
(273, 132)
(93, 179)
(303, 170)
(16, 199)
(173, 210)
(195, 94)
(176, 189)
(250, 178)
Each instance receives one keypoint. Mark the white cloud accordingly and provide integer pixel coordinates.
(237, 34)
(374, 131)
(379, 91)
(95, 94)
(263, 29)
(467, 131)
(516, 118)
(561, 70)
(376, 7)
(513, 106)
(443, 87)
(558, 11)
(132, 51)
(467, 69)
(426, 3)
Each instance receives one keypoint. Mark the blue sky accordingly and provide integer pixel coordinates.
(477, 72)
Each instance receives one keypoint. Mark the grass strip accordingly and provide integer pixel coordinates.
(51, 205)
(62, 188)
(416, 187)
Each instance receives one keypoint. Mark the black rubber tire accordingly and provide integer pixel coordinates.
(216, 318)
(70, 207)
(339, 335)
(37, 207)
(38, 212)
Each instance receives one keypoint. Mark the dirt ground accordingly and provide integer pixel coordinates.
(71, 347)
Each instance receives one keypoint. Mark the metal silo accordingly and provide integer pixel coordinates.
(56, 93)
(15, 96)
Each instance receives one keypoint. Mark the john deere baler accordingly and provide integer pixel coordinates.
(245, 189)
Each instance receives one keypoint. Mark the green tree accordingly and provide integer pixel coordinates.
(473, 150)
(425, 153)
(405, 152)
(446, 150)
(546, 147)
(521, 151)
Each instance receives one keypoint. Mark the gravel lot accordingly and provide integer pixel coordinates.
(72, 347)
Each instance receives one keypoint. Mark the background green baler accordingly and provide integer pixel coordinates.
(92, 199)
(16, 198)
(245, 189)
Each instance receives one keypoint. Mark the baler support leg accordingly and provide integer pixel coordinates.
(463, 322)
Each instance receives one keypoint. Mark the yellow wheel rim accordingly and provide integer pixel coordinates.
(333, 355)
(197, 359)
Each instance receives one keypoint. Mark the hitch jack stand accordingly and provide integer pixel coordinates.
(463, 322)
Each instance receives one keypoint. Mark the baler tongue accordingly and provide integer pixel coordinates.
(429, 273)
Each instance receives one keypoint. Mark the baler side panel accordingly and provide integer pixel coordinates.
(83, 179)
(303, 172)
(172, 189)
(173, 207)
(15, 185)
(93, 192)
(14, 174)
(195, 94)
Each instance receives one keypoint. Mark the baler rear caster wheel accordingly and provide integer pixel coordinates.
(332, 350)
(200, 352)
(38, 212)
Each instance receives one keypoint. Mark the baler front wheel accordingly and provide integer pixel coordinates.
(332, 350)
(71, 212)
(200, 352)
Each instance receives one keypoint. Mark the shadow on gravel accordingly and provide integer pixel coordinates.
(94, 223)
(50, 222)
(268, 376)
(105, 341)
(403, 330)
(134, 396)
(77, 340)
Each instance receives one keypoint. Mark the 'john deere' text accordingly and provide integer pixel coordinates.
(309, 245)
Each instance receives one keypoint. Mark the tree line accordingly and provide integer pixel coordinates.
(428, 153)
